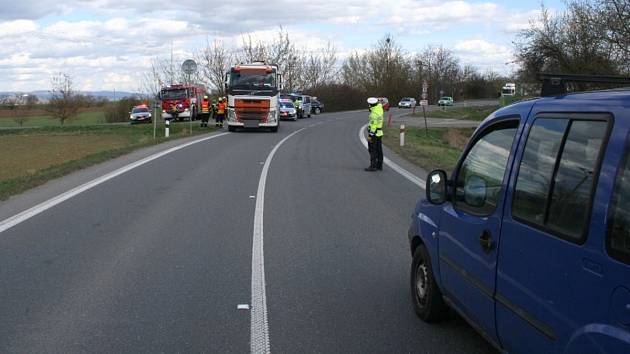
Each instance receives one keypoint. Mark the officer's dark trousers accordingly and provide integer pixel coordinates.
(219, 119)
(375, 147)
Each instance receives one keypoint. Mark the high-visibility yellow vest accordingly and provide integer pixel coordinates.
(376, 120)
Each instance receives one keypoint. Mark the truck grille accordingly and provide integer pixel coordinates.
(253, 109)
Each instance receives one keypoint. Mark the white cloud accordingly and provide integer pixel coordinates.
(484, 54)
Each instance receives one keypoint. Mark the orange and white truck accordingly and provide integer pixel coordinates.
(253, 92)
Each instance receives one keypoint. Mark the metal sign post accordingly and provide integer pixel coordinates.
(189, 67)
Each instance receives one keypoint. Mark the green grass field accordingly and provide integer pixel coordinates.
(84, 118)
(33, 156)
(440, 149)
(470, 113)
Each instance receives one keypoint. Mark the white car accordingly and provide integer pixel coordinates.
(407, 102)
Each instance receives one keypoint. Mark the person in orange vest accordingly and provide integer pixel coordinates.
(205, 111)
(220, 115)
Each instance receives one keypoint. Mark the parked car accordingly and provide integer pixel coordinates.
(287, 110)
(445, 101)
(140, 114)
(316, 106)
(407, 102)
(384, 102)
(529, 238)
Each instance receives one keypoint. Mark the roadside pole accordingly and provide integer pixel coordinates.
(426, 127)
(167, 128)
(402, 135)
(155, 117)
(389, 120)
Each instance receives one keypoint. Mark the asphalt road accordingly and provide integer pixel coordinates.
(157, 259)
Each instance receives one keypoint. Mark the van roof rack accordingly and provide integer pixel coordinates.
(556, 84)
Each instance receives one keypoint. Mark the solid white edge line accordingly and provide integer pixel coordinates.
(41, 207)
(394, 166)
(259, 339)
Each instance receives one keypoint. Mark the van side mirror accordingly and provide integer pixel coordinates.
(436, 187)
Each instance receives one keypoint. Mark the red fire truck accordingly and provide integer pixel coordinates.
(178, 99)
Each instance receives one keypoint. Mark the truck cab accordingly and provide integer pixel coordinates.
(253, 96)
(529, 238)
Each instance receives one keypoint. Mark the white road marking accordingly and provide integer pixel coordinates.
(41, 207)
(242, 307)
(252, 197)
(259, 324)
(394, 166)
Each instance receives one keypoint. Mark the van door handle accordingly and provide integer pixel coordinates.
(486, 241)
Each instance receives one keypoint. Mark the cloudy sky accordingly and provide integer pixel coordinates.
(107, 44)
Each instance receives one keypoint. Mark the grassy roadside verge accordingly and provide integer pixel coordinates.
(35, 156)
(83, 118)
(469, 113)
(440, 149)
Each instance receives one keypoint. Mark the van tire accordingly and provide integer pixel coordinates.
(425, 293)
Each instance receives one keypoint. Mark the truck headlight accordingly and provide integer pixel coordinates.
(272, 118)
(231, 115)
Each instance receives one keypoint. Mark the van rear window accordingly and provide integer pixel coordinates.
(557, 173)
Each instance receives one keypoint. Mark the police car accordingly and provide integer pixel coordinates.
(140, 114)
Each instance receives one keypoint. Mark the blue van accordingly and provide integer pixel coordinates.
(529, 240)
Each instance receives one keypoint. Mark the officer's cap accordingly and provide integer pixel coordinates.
(372, 100)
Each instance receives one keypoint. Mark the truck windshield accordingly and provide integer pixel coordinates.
(252, 80)
(173, 94)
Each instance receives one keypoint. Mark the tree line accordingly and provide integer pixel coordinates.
(385, 69)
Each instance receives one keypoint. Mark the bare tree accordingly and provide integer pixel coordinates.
(215, 60)
(575, 41)
(320, 68)
(63, 103)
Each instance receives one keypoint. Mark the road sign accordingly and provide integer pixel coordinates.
(189, 66)
(425, 86)
(424, 102)
(424, 96)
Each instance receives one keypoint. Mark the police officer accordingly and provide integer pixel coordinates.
(298, 107)
(375, 135)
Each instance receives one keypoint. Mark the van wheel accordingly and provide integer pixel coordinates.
(425, 294)
(318, 110)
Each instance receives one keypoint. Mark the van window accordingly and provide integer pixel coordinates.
(569, 210)
(481, 173)
(554, 188)
(618, 239)
(536, 170)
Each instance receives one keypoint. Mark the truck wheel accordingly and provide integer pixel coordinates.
(231, 128)
(425, 294)
(274, 129)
